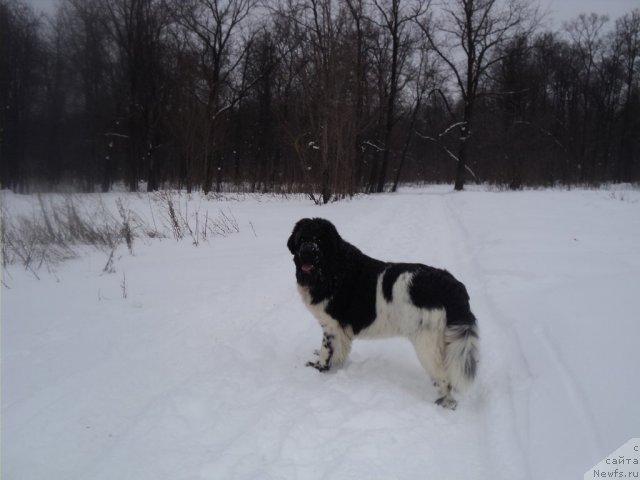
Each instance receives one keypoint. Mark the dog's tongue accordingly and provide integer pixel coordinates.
(307, 267)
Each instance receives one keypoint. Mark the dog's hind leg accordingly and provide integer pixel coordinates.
(430, 348)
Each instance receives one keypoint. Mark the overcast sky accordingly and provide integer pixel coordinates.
(559, 10)
(563, 10)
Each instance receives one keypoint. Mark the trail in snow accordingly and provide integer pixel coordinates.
(560, 268)
(199, 372)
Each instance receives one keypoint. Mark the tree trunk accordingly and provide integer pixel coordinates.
(462, 163)
(465, 134)
(407, 142)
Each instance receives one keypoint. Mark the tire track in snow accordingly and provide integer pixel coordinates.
(574, 395)
(503, 367)
(506, 373)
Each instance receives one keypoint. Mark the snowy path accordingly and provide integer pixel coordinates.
(199, 373)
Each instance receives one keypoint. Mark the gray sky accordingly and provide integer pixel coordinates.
(559, 10)
(563, 10)
(46, 6)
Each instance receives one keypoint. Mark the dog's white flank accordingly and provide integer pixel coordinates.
(442, 350)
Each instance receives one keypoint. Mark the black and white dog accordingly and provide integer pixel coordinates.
(355, 296)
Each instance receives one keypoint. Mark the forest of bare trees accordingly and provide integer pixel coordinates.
(326, 97)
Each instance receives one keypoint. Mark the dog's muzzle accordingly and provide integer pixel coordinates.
(308, 255)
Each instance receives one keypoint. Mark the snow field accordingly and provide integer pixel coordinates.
(199, 372)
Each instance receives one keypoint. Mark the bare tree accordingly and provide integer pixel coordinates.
(467, 35)
(586, 33)
(81, 39)
(322, 127)
(424, 82)
(137, 28)
(213, 35)
(20, 57)
(395, 19)
(627, 37)
(362, 32)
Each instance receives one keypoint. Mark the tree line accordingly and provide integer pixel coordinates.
(327, 97)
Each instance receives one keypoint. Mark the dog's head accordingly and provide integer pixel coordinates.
(314, 243)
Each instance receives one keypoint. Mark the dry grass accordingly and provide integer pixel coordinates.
(59, 228)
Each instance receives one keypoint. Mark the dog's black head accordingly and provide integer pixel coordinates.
(315, 245)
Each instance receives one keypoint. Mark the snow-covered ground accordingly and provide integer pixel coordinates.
(199, 372)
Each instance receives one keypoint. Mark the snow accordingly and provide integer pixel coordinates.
(199, 372)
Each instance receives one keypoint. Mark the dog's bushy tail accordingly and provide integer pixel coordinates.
(461, 357)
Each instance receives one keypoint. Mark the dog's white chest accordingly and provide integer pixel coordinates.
(319, 310)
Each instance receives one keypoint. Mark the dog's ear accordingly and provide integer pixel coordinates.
(291, 243)
(331, 235)
(293, 238)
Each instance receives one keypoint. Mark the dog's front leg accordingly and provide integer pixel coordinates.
(333, 351)
(325, 354)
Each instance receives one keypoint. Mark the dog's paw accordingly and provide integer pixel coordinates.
(447, 402)
(318, 366)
